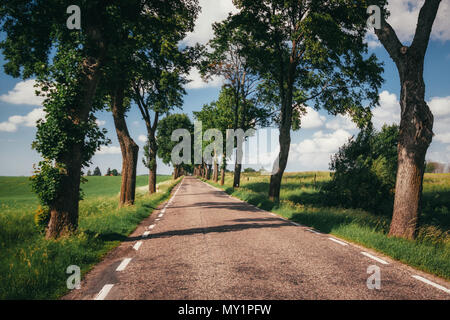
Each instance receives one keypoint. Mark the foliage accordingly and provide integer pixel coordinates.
(164, 134)
(41, 218)
(365, 171)
(97, 172)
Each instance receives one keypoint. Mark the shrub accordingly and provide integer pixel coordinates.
(364, 171)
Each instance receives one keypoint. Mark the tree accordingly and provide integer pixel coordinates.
(364, 171)
(108, 172)
(225, 59)
(115, 173)
(416, 123)
(164, 139)
(218, 115)
(89, 173)
(309, 52)
(97, 172)
(159, 79)
(151, 29)
(68, 65)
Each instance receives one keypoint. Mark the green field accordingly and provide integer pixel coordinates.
(302, 201)
(32, 267)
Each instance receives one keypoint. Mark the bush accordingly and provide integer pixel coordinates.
(364, 171)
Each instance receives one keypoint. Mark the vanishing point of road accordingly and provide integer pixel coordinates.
(204, 244)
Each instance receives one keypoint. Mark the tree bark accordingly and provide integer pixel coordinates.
(216, 171)
(416, 123)
(224, 166)
(64, 210)
(152, 163)
(128, 148)
(285, 132)
(416, 133)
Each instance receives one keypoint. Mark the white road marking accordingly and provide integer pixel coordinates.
(338, 241)
(145, 234)
(160, 215)
(163, 211)
(151, 227)
(157, 219)
(296, 224)
(137, 245)
(104, 292)
(431, 283)
(374, 258)
(313, 231)
(123, 264)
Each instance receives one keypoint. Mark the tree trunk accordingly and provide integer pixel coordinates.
(416, 132)
(285, 134)
(128, 148)
(224, 166)
(152, 162)
(216, 171)
(237, 174)
(64, 210)
(280, 165)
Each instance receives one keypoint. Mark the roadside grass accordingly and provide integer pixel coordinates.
(32, 267)
(301, 201)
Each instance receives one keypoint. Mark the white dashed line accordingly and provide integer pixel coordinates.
(123, 264)
(137, 245)
(374, 258)
(145, 234)
(338, 241)
(431, 283)
(104, 292)
(160, 215)
(157, 219)
(313, 231)
(296, 224)
(151, 227)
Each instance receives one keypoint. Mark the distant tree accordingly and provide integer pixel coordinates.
(108, 172)
(97, 172)
(89, 173)
(164, 139)
(248, 170)
(114, 172)
(309, 53)
(434, 167)
(364, 171)
(227, 60)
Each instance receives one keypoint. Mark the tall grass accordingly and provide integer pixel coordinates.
(32, 267)
(302, 201)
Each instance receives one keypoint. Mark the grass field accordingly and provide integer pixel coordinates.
(302, 201)
(32, 267)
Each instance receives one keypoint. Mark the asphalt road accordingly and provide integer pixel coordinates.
(204, 244)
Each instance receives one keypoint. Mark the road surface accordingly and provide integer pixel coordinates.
(204, 244)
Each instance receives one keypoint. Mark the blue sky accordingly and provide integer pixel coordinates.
(311, 147)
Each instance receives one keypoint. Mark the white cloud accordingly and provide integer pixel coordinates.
(315, 153)
(198, 83)
(312, 119)
(388, 112)
(109, 150)
(23, 93)
(28, 120)
(440, 106)
(443, 137)
(142, 138)
(403, 18)
(100, 122)
(212, 11)
(341, 122)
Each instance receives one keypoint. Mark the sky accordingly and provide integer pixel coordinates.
(321, 135)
